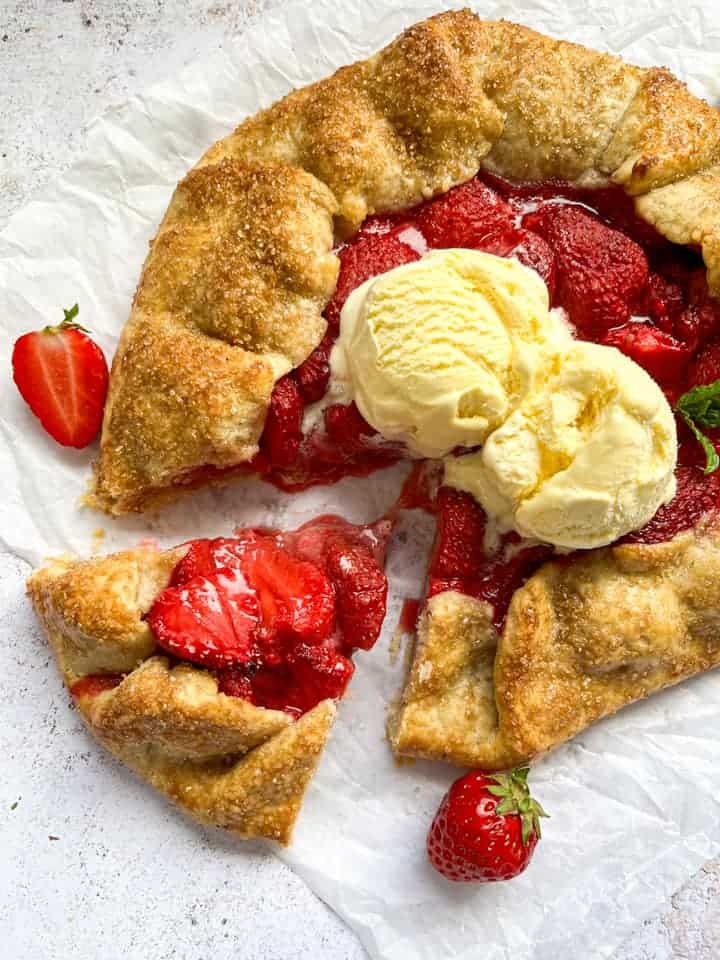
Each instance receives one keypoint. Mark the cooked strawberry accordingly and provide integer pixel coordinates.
(361, 590)
(313, 374)
(309, 674)
(379, 225)
(696, 496)
(282, 435)
(663, 300)
(486, 829)
(601, 272)
(94, 683)
(295, 595)
(463, 216)
(319, 673)
(527, 247)
(312, 539)
(698, 324)
(657, 352)
(346, 427)
(367, 256)
(235, 681)
(205, 557)
(209, 620)
(706, 367)
(63, 377)
(459, 550)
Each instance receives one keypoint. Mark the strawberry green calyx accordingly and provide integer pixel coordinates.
(68, 322)
(514, 795)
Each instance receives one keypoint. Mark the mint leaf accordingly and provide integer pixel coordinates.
(701, 405)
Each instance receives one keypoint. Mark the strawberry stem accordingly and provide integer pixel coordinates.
(68, 322)
(514, 796)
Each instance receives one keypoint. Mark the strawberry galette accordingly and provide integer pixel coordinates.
(273, 620)
(492, 253)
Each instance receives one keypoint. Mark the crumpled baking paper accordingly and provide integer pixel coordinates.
(634, 800)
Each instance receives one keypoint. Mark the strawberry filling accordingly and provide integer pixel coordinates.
(622, 285)
(277, 615)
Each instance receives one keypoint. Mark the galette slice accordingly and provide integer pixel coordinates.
(517, 652)
(213, 669)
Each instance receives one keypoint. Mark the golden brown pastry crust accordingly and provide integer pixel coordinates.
(225, 761)
(582, 640)
(232, 292)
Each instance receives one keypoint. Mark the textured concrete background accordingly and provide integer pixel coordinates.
(61, 63)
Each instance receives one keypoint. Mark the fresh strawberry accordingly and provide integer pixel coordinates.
(657, 352)
(463, 216)
(209, 620)
(63, 377)
(313, 374)
(486, 829)
(363, 258)
(346, 427)
(601, 272)
(295, 595)
(282, 435)
(361, 589)
(527, 247)
(458, 548)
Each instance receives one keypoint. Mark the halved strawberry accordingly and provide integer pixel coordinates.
(282, 435)
(361, 589)
(656, 351)
(367, 256)
(463, 216)
(210, 620)
(63, 377)
(295, 595)
(205, 557)
(601, 272)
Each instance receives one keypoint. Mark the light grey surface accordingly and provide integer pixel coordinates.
(61, 63)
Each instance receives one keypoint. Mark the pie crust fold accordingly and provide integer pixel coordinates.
(581, 640)
(223, 760)
(232, 293)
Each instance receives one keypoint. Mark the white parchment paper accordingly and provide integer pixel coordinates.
(633, 801)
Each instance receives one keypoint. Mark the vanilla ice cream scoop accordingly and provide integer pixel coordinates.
(582, 461)
(439, 352)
